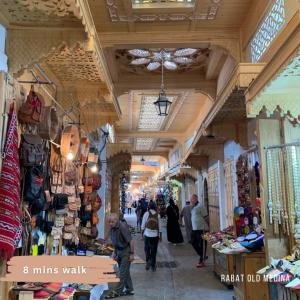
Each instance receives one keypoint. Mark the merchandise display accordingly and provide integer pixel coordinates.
(283, 189)
(285, 271)
(53, 189)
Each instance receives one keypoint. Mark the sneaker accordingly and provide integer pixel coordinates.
(127, 293)
(200, 264)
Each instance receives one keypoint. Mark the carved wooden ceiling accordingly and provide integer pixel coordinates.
(112, 15)
(153, 135)
(61, 35)
(51, 13)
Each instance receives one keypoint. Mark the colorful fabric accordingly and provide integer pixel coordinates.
(10, 225)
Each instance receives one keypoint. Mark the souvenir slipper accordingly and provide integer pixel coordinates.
(27, 287)
(66, 294)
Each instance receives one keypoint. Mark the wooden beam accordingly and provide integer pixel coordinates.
(152, 134)
(151, 153)
(172, 81)
(217, 59)
(122, 39)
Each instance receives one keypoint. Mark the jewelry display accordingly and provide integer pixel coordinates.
(283, 172)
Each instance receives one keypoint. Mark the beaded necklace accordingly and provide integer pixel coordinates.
(285, 216)
(270, 202)
(290, 190)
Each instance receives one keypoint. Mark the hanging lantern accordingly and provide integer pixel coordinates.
(162, 104)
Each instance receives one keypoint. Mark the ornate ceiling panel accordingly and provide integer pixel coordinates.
(143, 144)
(76, 63)
(30, 11)
(149, 119)
(150, 62)
(162, 3)
(118, 13)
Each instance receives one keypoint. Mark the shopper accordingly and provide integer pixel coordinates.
(173, 228)
(138, 212)
(129, 208)
(124, 254)
(151, 230)
(144, 207)
(187, 218)
(199, 219)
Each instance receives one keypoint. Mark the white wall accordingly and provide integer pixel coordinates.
(3, 57)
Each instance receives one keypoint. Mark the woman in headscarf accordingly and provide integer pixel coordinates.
(173, 228)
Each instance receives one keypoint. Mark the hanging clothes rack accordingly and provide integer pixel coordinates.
(283, 145)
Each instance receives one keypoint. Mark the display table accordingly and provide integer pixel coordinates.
(278, 291)
(252, 287)
(223, 265)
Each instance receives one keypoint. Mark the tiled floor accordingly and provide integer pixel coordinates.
(185, 282)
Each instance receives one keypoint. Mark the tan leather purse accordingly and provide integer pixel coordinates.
(49, 127)
(70, 141)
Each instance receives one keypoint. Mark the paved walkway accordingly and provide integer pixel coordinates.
(185, 282)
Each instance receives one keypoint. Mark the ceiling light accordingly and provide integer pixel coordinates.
(162, 104)
(139, 52)
(185, 52)
(140, 61)
(154, 57)
(142, 159)
(94, 169)
(70, 156)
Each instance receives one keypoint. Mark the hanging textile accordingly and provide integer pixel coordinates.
(10, 225)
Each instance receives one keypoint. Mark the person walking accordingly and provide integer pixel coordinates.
(151, 230)
(124, 254)
(199, 217)
(138, 212)
(129, 208)
(173, 228)
(187, 218)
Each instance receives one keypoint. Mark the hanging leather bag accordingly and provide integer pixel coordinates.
(33, 189)
(94, 181)
(31, 110)
(70, 141)
(49, 127)
(32, 150)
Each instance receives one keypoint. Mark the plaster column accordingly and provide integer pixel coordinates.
(3, 57)
(200, 186)
(115, 194)
(102, 192)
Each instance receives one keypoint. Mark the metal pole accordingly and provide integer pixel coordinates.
(283, 145)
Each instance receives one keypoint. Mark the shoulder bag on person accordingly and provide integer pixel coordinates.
(152, 222)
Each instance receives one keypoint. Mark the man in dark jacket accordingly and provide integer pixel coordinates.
(123, 253)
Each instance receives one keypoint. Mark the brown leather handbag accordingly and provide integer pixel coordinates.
(32, 150)
(49, 127)
(31, 110)
(70, 141)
